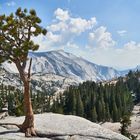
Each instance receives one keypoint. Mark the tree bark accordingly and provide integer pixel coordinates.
(28, 125)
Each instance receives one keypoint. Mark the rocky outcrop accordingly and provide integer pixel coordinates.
(61, 127)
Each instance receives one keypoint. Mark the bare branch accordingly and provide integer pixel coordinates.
(29, 70)
(29, 33)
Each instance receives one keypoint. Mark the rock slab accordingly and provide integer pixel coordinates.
(60, 127)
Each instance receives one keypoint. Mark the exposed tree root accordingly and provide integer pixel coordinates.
(28, 126)
(18, 125)
(29, 131)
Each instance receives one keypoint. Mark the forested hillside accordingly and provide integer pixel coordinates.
(13, 97)
(133, 82)
(95, 101)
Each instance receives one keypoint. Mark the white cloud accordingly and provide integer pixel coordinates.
(122, 32)
(61, 14)
(66, 23)
(54, 37)
(79, 25)
(132, 45)
(101, 38)
(41, 40)
(126, 57)
(11, 3)
(72, 45)
(64, 31)
(98, 47)
(61, 26)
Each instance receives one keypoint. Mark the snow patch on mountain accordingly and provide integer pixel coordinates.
(56, 70)
(68, 65)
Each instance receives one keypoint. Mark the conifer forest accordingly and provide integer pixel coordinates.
(98, 102)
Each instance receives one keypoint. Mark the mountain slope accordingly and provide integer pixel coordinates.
(47, 83)
(54, 71)
(68, 65)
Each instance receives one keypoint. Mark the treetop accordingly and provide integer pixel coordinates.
(16, 33)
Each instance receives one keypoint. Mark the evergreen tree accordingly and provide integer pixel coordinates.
(73, 103)
(107, 113)
(11, 104)
(79, 106)
(103, 110)
(99, 109)
(16, 32)
(70, 102)
(94, 115)
(125, 123)
(115, 113)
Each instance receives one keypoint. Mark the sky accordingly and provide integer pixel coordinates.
(105, 32)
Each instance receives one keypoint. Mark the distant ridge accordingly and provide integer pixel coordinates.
(68, 65)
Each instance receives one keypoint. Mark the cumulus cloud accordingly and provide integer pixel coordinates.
(61, 26)
(101, 38)
(132, 45)
(67, 32)
(124, 57)
(68, 23)
(72, 45)
(122, 32)
(79, 25)
(54, 37)
(61, 14)
(11, 3)
(64, 31)
(68, 28)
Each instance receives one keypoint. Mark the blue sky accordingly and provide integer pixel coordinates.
(105, 32)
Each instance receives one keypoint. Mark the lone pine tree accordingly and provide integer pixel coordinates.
(16, 32)
(125, 123)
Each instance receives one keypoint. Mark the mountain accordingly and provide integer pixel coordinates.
(48, 83)
(55, 70)
(68, 65)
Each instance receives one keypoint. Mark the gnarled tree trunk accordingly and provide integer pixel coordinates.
(28, 125)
